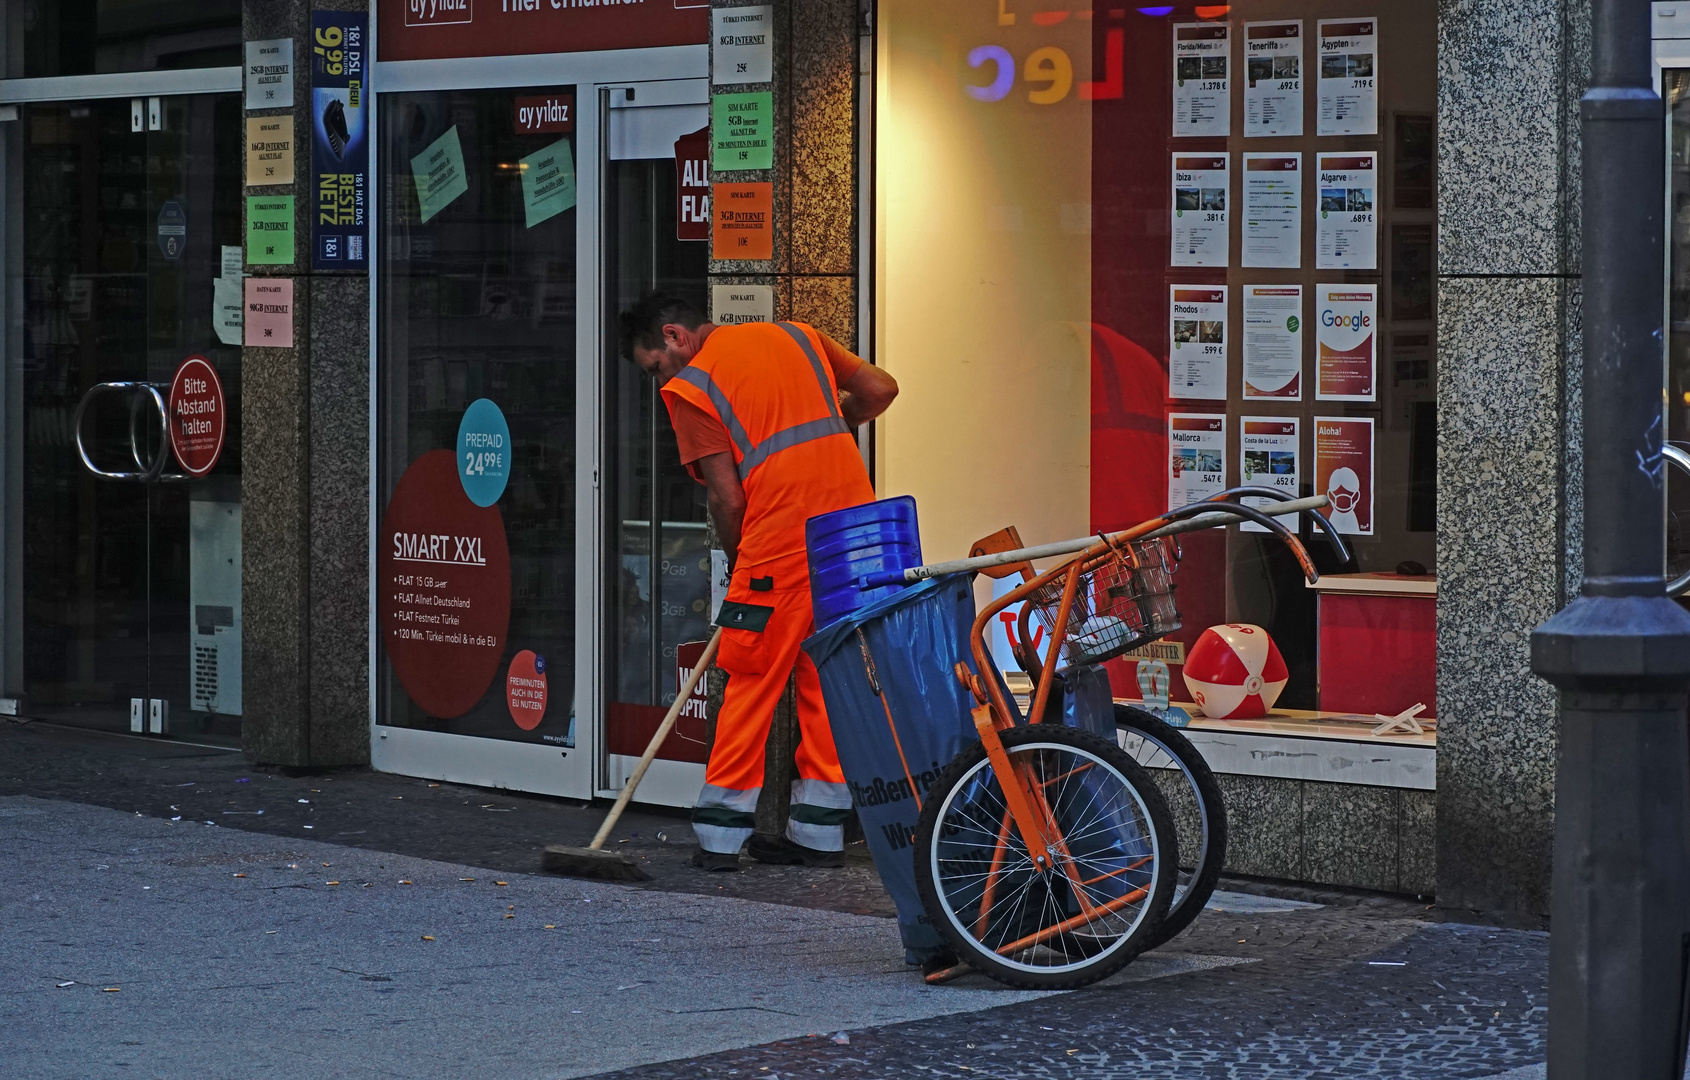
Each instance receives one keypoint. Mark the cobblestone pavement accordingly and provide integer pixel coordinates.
(1361, 986)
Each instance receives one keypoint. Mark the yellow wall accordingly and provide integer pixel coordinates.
(983, 272)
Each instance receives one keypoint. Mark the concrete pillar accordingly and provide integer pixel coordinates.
(1509, 505)
(813, 271)
(305, 484)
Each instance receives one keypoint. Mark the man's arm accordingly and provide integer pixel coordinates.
(727, 500)
(866, 395)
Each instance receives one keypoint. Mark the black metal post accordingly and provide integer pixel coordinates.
(1620, 652)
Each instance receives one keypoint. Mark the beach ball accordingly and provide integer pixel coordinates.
(1235, 672)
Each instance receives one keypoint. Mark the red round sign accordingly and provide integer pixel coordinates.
(525, 690)
(444, 578)
(198, 420)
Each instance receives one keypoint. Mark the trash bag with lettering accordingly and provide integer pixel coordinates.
(899, 716)
(1087, 702)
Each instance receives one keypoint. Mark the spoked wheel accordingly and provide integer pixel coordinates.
(1195, 802)
(1113, 861)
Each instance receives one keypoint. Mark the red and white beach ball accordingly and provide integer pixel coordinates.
(1235, 672)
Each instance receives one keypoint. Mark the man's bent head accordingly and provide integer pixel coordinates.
(662, 334)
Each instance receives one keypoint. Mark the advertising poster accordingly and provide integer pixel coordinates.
(1349, 68)
(1273, 342)
(1196, 457)
(340, 152)
(1273, 78)
(1273, 210)
(742, 129)
(692, 185)
(1343, 471)
(1200, 232)
(1346, 342)
(1202, 88)
(1197, 342)
(444, 588)
(1268, 447)
(269, 74)
(744, 45)
(269, 150)
(268, 319)
(1412, 266)
(439, 174)
(743, 226)
(1346, 234)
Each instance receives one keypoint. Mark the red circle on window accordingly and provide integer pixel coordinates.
(444, 578)
(198, 420)
(525, 690)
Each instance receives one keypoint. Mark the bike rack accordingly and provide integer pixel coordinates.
(140, 393)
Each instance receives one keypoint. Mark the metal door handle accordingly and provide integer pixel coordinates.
(141, 391)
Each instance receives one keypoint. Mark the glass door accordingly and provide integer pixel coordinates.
(130, 590)
(658, 562)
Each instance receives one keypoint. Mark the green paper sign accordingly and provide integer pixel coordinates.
(742, 131)
(439, 173)
(548, 182)
(269, 229)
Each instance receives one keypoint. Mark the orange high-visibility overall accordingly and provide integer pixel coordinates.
(773, 391)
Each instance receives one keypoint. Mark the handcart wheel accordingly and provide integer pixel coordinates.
(1196, 804)
(1100, 902)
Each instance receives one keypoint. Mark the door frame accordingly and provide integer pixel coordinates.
(497, 763)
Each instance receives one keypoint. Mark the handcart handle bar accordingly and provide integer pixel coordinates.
(1069, 547)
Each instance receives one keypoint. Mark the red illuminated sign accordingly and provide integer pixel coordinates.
(440, 29)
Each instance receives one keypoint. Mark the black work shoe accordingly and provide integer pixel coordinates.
(781, 851)
(715, 860)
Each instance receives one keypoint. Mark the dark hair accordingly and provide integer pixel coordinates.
(642, 324)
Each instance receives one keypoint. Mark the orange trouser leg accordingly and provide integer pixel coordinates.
(758, 666)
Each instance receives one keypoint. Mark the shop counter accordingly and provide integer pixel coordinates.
(1377, 642)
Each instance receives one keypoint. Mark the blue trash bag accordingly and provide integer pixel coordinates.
(893, 744)
(1089, 705)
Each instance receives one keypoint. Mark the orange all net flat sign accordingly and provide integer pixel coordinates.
(742, 225)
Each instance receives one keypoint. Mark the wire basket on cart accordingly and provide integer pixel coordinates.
(1124, 599)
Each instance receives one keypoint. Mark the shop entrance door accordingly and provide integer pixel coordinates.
(130, 589)
(659, 564)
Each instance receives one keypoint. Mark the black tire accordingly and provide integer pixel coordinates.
(1198, 810)
(1098, 959)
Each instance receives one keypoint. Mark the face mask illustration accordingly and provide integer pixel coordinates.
(1343, 487)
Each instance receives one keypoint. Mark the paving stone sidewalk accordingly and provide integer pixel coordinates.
(1360, 986)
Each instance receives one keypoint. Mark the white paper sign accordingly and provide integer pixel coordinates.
(1349, 73)
(1196, 457)
(1346, 342)
(227, 297)
(1346, 233)
(1268, 446)
(1202, 89)
(1197, 336)
(1200, 231)
(269, 74)
(731, 305)
(1273, 342)
(1273, 210)
(1273, 78)
(741, 45)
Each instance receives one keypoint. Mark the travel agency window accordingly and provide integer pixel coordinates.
(1133, 256)
(493, 321)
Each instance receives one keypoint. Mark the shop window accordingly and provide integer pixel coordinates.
(476, 334)
(1215, 223)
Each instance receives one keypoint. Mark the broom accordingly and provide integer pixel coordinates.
(594, 862)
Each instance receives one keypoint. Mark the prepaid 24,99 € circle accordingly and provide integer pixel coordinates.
(444, 578)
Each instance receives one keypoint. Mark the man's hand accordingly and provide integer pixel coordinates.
(866, 395)
(727, 500)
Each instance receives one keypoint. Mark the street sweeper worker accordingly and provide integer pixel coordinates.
(764, 415)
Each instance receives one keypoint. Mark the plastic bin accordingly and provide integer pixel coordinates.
(899, 716)
(846, 545)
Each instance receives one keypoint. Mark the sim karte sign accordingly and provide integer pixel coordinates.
(440, 29)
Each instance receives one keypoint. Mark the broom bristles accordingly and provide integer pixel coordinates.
(590, 863)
